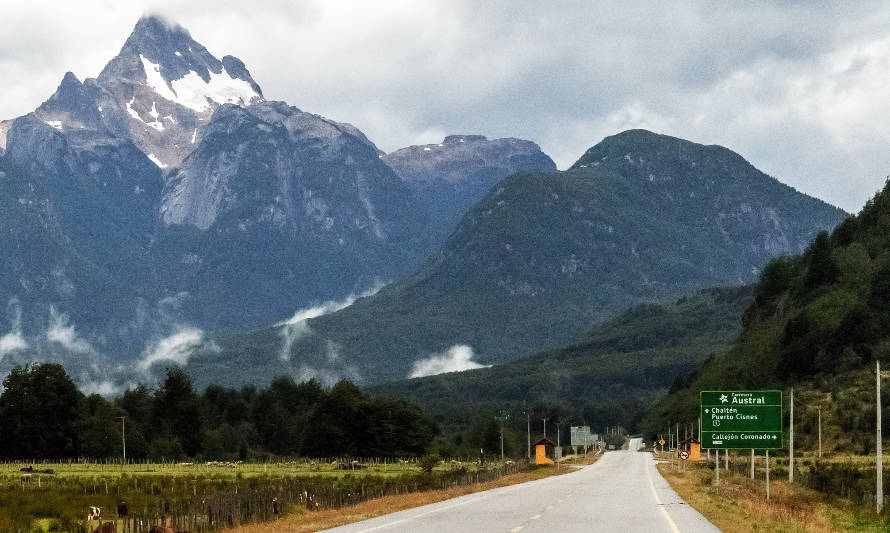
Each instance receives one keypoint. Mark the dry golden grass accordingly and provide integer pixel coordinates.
(318, 520)
(739, 504)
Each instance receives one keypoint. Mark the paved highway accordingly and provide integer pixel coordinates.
(621, 492)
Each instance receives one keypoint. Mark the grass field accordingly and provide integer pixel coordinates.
(211, 496)
(12, 471)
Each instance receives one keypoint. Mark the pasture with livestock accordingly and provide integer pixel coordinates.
(209, 496)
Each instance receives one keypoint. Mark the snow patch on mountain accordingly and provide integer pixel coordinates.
(157, 161)
(193, 92)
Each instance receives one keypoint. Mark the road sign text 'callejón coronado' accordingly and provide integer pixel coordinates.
(741, 419)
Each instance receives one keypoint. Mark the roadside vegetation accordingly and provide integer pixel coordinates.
(739, 505)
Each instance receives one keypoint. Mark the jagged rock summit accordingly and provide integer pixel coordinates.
(449, 177)
(159, 92)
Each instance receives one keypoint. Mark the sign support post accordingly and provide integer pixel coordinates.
(717, 467)
(767, 475)
(879, 485)
(752, 463)
(791, 441)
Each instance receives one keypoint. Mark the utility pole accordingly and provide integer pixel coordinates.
(820, 431)
(528, 432)
(791, 442)
(124, 436)
(558, 449)
(502, 417)
(879, 489)
(545, 427)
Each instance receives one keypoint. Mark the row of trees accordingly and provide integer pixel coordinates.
(43, 415)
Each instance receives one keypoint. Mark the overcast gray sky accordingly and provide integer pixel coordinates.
(802, 90)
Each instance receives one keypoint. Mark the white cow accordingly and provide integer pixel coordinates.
(95, 513)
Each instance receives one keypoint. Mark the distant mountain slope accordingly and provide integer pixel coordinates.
(640, 218)
(818, 322)
(276, 208)
(543, 255)
(77, 228)
(612, 376)
(451, 176)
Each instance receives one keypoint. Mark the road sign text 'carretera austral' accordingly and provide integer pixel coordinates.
(741, 419)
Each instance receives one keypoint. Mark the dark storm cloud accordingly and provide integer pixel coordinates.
(798, 88)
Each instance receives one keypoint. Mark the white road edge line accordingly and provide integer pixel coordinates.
(482, 495)
(667, 515)
(433, 511)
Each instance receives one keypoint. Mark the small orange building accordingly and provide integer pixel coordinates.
(545, 452)
(693, 447)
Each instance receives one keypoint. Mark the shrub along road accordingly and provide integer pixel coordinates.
(623, 491)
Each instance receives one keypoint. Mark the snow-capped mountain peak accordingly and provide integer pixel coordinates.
(159, 92)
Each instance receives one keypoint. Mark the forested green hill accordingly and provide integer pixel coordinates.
(612, 377)
(818, 321)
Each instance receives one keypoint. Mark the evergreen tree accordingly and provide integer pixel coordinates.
(177, 412)
(821, 269)
(38, 413)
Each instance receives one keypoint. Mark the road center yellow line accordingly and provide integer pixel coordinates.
(516, 529)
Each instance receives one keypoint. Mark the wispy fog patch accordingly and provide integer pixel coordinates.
(333, 370)
(177, 348)
(297, 327)
(457, 359)
(13, 340)
(61, 332)
(102, 388)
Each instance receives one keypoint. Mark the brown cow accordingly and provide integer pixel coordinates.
(107, 527)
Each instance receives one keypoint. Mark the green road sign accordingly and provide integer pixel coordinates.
(741, 419)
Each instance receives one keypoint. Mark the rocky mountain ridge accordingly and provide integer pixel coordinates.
(449, 177)
(640, 218)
